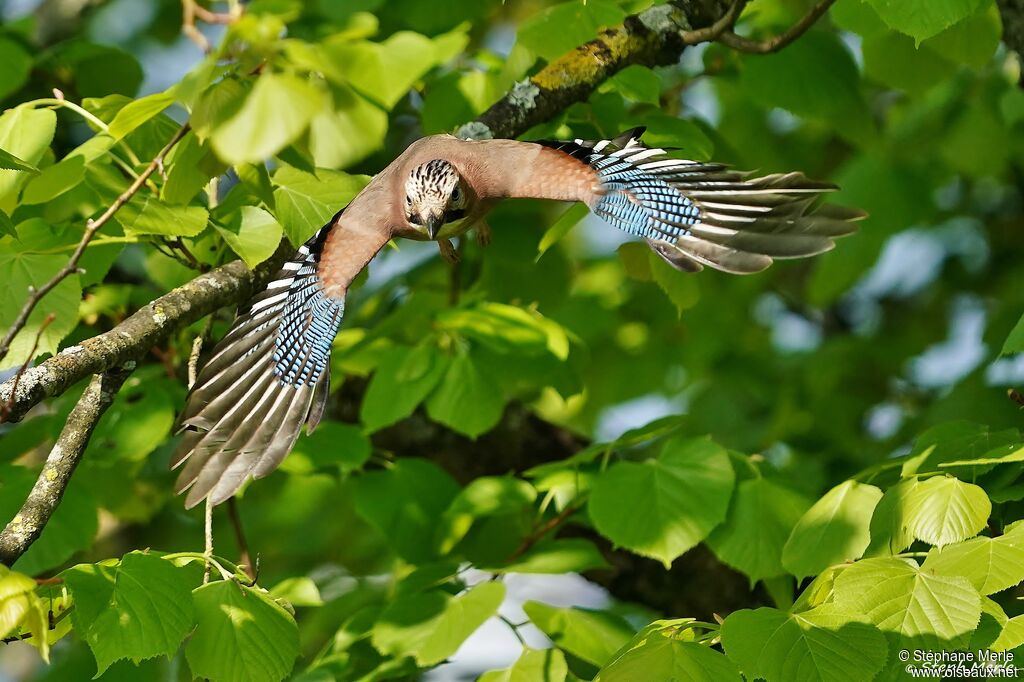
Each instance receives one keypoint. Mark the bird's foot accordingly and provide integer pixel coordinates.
(483, 234)
(448, 251)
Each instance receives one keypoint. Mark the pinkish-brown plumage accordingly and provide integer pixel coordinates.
(269, 374)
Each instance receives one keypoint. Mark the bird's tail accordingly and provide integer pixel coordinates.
(695, 214)
(267, 377)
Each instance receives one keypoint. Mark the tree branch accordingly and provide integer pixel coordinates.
(91, 227)
(780, 41)
(654, 37)
(48, 491)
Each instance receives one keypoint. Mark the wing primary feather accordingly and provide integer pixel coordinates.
(266, 377)
(695, 213)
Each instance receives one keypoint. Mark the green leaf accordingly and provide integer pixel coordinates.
(1011, 637)
(991, 564)
(662, 507)
(889, 532)
(562, 555)
(191, 165)
(972, 41)
(304, 202)
(21, 271)
(137, 423)
(275, 113)
(23, 611)
(1015, 341)
(761, 518)
(466, 400)
(383, 72)
(299, 591)
(139, 609)
(17, 66)
(638, 83)
(54, 181)
(507, 329)
(892, 59)
(135, 113)
(216, 105)
(560, 28)
(156, 217)
(677, 134)
(943, 510)
(431, 626)
(899, 597)
(593, 636)
(921, 19)
(252, 233)
(9, 161)
(241, 635)
(958, 443)
(484, 496)
(823, 644)
(656, 653)
(333, 444)
(835, 529)
(404, 503)
(16, 599)
(814, 77)
(348, 131)
(403, 379)
(26, 133)
(546, 665)
(556, 233)
(682, 289)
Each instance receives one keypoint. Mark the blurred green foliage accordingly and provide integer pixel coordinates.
(836, 430)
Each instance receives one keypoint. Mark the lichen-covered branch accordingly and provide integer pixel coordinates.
(227, 285)
(655, 37)
(49, 488)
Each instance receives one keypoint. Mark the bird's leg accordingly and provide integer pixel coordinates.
(483, 233)
(448, 251)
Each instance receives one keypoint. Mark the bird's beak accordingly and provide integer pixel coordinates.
(434, 223)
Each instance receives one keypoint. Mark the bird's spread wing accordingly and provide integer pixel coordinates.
(267, 377)
(694, 214)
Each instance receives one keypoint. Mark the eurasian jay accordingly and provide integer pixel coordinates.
(269, 375)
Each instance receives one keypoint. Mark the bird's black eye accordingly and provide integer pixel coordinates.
(457, 195)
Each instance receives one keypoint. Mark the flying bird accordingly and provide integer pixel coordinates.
(270, 374)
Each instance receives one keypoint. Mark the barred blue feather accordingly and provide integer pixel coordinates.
(273, 365)
(694, 214)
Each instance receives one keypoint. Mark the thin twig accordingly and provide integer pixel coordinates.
(780, 41)
(540, 531)
(514, 628)
(91, 227)
(208, 540)
(193, 360)
(717, 29)
(192, 10)
(244, 558)
(5, 409)
(190, 260)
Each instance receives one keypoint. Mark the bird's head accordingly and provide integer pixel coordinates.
(434, 195)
